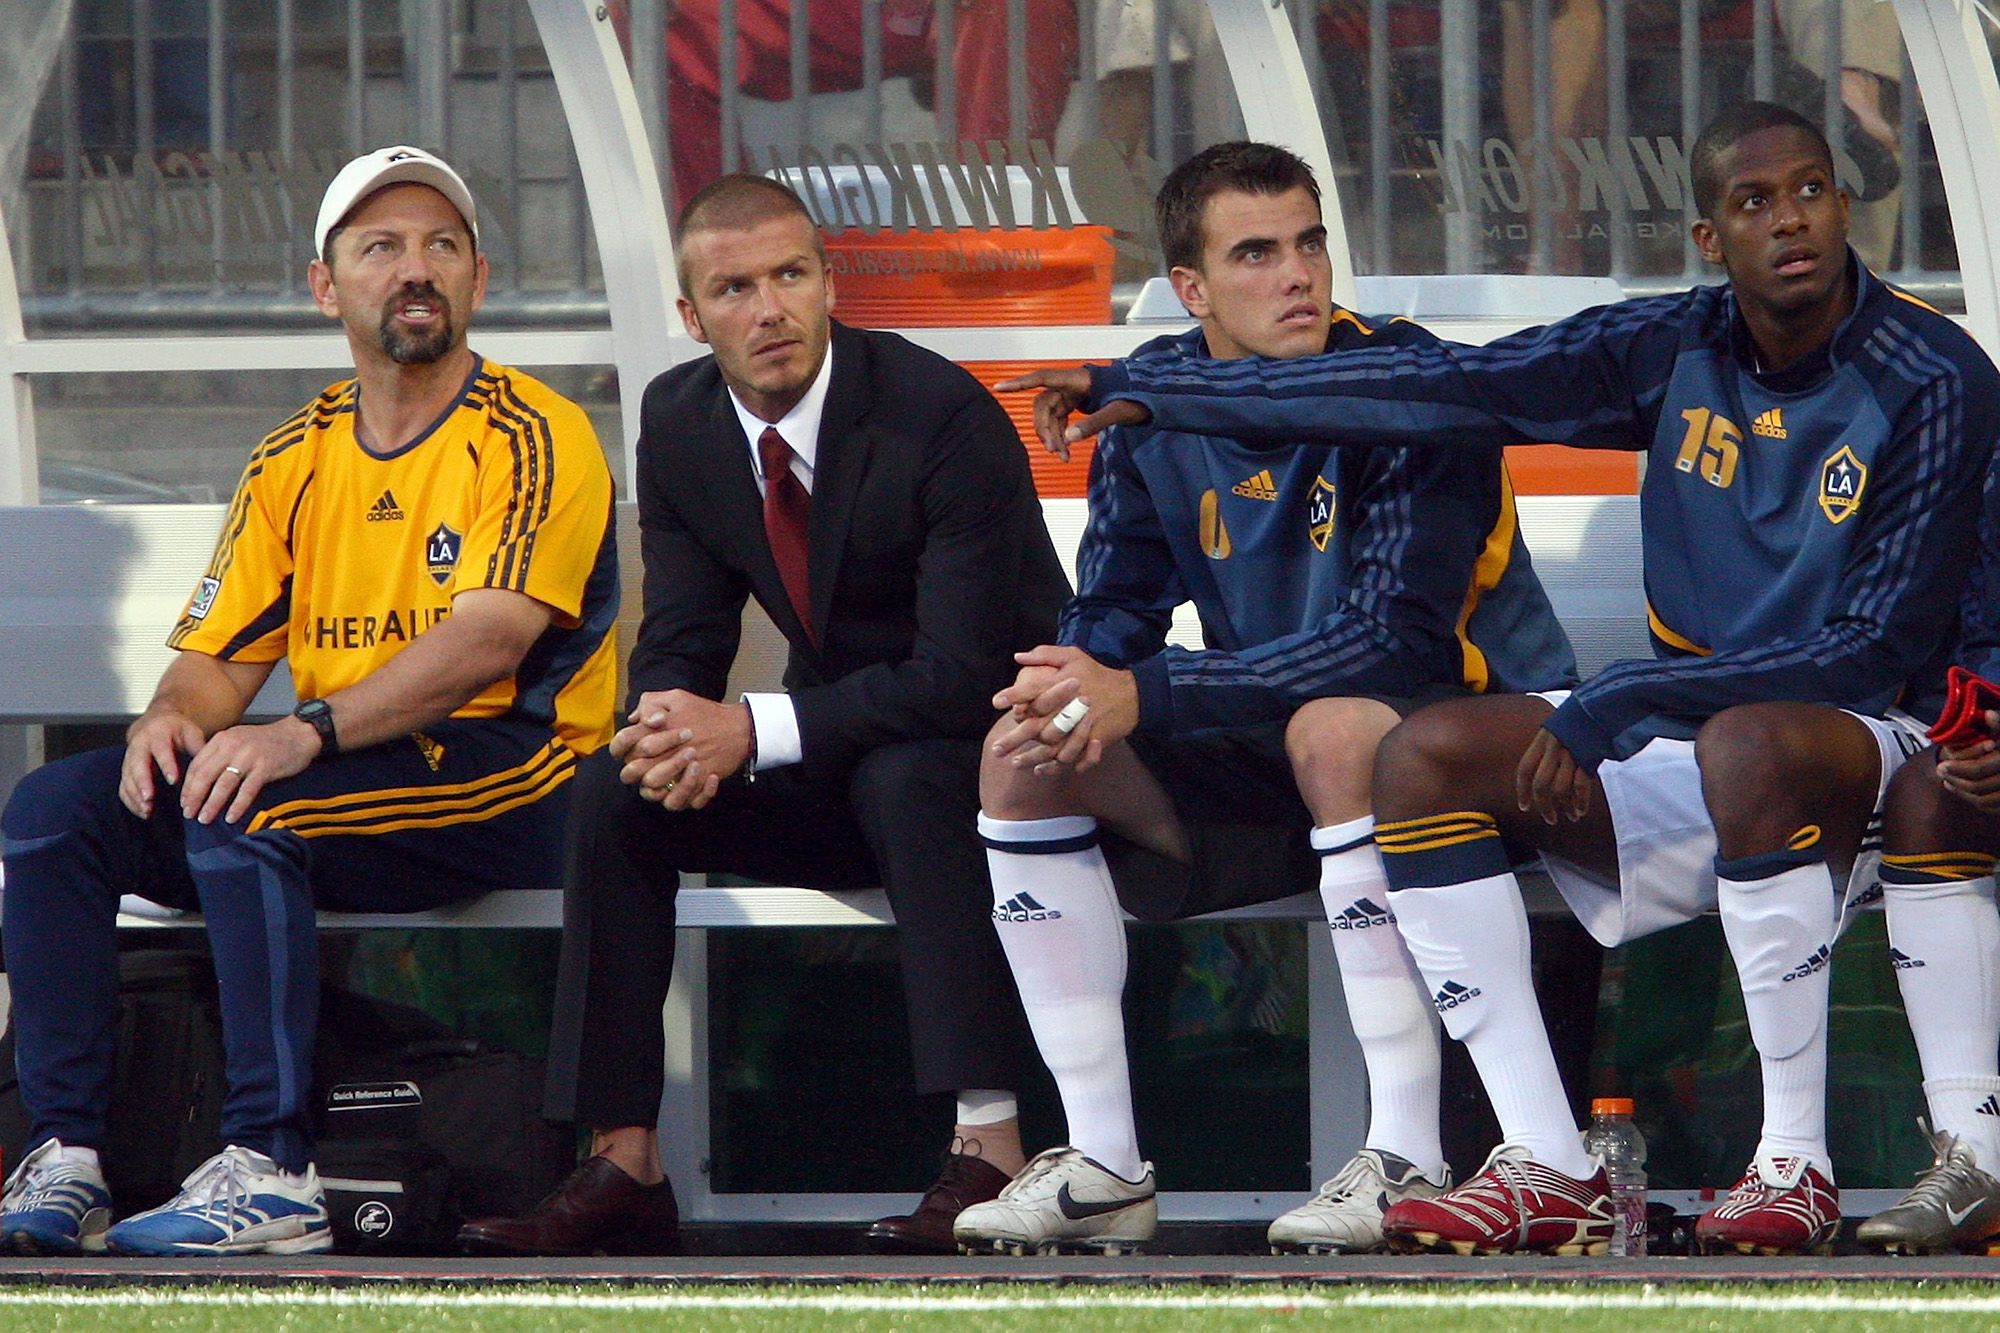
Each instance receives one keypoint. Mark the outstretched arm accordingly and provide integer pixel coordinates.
(1064, 392)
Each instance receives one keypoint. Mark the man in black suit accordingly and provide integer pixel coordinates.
(877, 503)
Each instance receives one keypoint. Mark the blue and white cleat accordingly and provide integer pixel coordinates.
(237, 1202)
(55, 1203)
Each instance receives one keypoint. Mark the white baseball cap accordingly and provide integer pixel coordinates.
(390, 166)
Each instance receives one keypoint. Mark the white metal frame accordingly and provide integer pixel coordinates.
(1954, 71)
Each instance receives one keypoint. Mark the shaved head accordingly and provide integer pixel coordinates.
(737, 203)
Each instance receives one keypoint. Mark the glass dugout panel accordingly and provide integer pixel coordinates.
(1551, 136)
(807, 1032)
(183, 437)
(168, 156)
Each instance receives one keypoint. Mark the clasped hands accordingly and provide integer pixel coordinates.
(1042, 704)
(680, 746)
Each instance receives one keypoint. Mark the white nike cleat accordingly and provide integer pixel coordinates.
(1061, 1203)
(1345, 1217)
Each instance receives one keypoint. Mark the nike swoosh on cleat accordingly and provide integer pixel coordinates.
(1076, 1211)
(1957, 1218)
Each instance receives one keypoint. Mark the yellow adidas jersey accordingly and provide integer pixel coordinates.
(334, 558)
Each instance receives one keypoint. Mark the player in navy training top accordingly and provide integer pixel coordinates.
(1940, 840)
(1337, 589)
(1817, 445)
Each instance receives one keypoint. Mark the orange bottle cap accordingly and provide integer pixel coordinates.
(1611, 1106)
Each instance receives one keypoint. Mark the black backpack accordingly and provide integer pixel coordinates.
(422, 1129)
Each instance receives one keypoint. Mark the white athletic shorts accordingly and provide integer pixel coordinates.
(1666, 845)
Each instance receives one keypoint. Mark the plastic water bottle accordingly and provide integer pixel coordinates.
(1617, 1140)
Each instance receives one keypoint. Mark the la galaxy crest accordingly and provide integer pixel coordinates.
(1319, 513)
(441, 550)
(1842, 478)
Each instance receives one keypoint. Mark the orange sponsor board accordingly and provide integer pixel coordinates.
(967, 277)
(1554, 469)
(1054, 479)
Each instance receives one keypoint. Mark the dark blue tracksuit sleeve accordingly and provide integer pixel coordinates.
(1423, 516)
(1127, 585)
(1891, 612)
(1979, 641)
(1417, 389)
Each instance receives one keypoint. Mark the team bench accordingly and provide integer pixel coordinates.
(88, 591)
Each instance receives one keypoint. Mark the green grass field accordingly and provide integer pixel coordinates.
(1006, 1309)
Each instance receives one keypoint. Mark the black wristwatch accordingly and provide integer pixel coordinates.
(320, 714)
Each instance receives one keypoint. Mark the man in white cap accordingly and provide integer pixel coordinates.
(428, 545)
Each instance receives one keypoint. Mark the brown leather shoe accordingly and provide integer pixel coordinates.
(599, 1208)
(964, 1181)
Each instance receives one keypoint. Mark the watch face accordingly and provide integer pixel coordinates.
(319, 713)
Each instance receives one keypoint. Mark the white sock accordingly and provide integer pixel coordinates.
(1945, 940)
(1780, 932)
(1470, 941)
(1387, 1002)
(1970, 1109)
(1058, 920)
(985, 1106)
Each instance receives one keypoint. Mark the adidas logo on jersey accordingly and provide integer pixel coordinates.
(1451, 995)
(1816, 963)
(1902, 961)
(1363, 914)
(1770, 424)
(1991, 1106)
(385, 509)
(1022, 907)
(1259, 487)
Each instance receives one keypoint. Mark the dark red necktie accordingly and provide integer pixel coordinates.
(786, 508)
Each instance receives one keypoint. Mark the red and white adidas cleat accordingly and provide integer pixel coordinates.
(1781, 1206)
(1515, 1204)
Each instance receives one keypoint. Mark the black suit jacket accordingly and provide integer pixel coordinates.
(929, 561)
